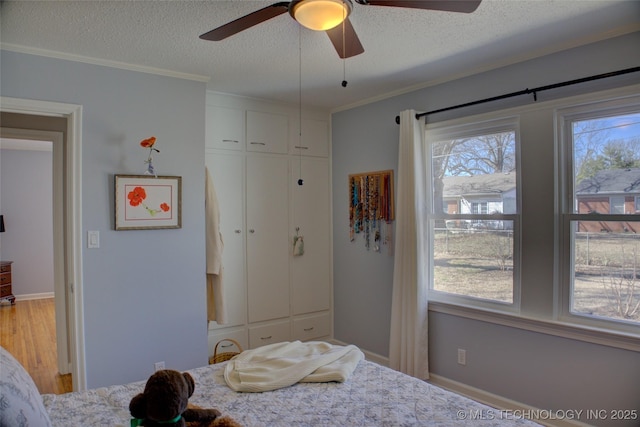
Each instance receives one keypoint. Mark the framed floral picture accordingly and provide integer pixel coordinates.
(145, 202)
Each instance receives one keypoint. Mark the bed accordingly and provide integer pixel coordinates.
(373, 395)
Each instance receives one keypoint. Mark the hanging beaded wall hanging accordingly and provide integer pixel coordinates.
(371, 208)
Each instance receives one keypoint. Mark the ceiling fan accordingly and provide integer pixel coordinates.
(331, 16)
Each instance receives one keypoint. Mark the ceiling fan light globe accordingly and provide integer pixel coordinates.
(321, 15)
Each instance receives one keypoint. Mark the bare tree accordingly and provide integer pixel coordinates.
(613, 154)
(621, 286)
(481, 155)
(594, 149)
(440, 154)
(588, 138)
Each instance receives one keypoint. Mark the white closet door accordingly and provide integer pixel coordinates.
(225, 128)
(227, 173)
(267, 132)
(267, 237)
(310, 273)
(314, 140)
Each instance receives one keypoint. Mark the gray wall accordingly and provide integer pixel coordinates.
(536, 369)
(26, 203)
(144, 294)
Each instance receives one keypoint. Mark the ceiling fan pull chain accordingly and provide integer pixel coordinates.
(344, 51)
(300, 181)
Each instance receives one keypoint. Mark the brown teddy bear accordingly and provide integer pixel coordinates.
(165, 402)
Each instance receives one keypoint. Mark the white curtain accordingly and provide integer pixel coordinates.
(408, 350)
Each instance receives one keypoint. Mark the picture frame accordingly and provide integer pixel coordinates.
(145, 202)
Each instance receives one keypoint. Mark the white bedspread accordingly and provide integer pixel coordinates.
(374, 396)
(283, 364)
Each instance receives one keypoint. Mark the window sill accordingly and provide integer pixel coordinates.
(626, 341)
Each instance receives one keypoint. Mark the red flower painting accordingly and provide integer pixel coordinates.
(136, 198)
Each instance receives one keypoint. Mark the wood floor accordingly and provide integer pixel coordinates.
(28, 332)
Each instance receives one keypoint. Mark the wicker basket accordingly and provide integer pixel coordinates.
(222, 357)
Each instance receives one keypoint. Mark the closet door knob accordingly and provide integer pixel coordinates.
(252, 231)
(237, 231)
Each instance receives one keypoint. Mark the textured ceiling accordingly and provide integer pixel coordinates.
(404, 48)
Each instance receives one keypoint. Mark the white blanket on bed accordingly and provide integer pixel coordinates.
(283, 364)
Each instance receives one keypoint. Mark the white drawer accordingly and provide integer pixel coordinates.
(269, 334)
(312, 327)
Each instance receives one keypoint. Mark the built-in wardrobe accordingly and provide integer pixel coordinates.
(272, 184)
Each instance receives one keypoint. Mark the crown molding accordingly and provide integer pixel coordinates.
(103, 62)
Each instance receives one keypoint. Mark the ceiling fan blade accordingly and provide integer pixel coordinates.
(246, 21)
(464, 6)
(349, 45)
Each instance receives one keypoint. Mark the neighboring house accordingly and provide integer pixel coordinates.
(612, 191)
(479, 194)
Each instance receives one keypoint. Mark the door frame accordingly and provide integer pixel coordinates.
(73, 221)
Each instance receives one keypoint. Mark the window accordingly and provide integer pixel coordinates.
(600, 226)
(473, 256)
(617, 204)
(533, 217)
(479, 208)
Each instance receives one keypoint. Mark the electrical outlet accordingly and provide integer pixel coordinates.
(158, 366)
(462, 356)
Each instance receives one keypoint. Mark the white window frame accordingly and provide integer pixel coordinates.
(612, 205)
(480, 205)
(564, 117)
(507, 123)
(542, 297)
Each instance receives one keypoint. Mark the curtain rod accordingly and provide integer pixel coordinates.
(527, 91)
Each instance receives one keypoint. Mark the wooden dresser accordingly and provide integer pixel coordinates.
(6, 292)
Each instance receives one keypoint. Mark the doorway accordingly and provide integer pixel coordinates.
(33, 166)
(60, 123)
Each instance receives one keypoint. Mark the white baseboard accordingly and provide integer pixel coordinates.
(482, 396)
(373, 357)
(517, 409)
(26, 297)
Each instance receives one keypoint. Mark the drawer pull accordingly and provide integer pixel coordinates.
(300, 147)
(252, 231)
(266, 338)
(257, 143)
(237, 231)
(231, 140)
(226, 345)
(308, 329)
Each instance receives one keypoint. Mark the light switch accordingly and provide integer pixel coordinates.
(93, 239)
